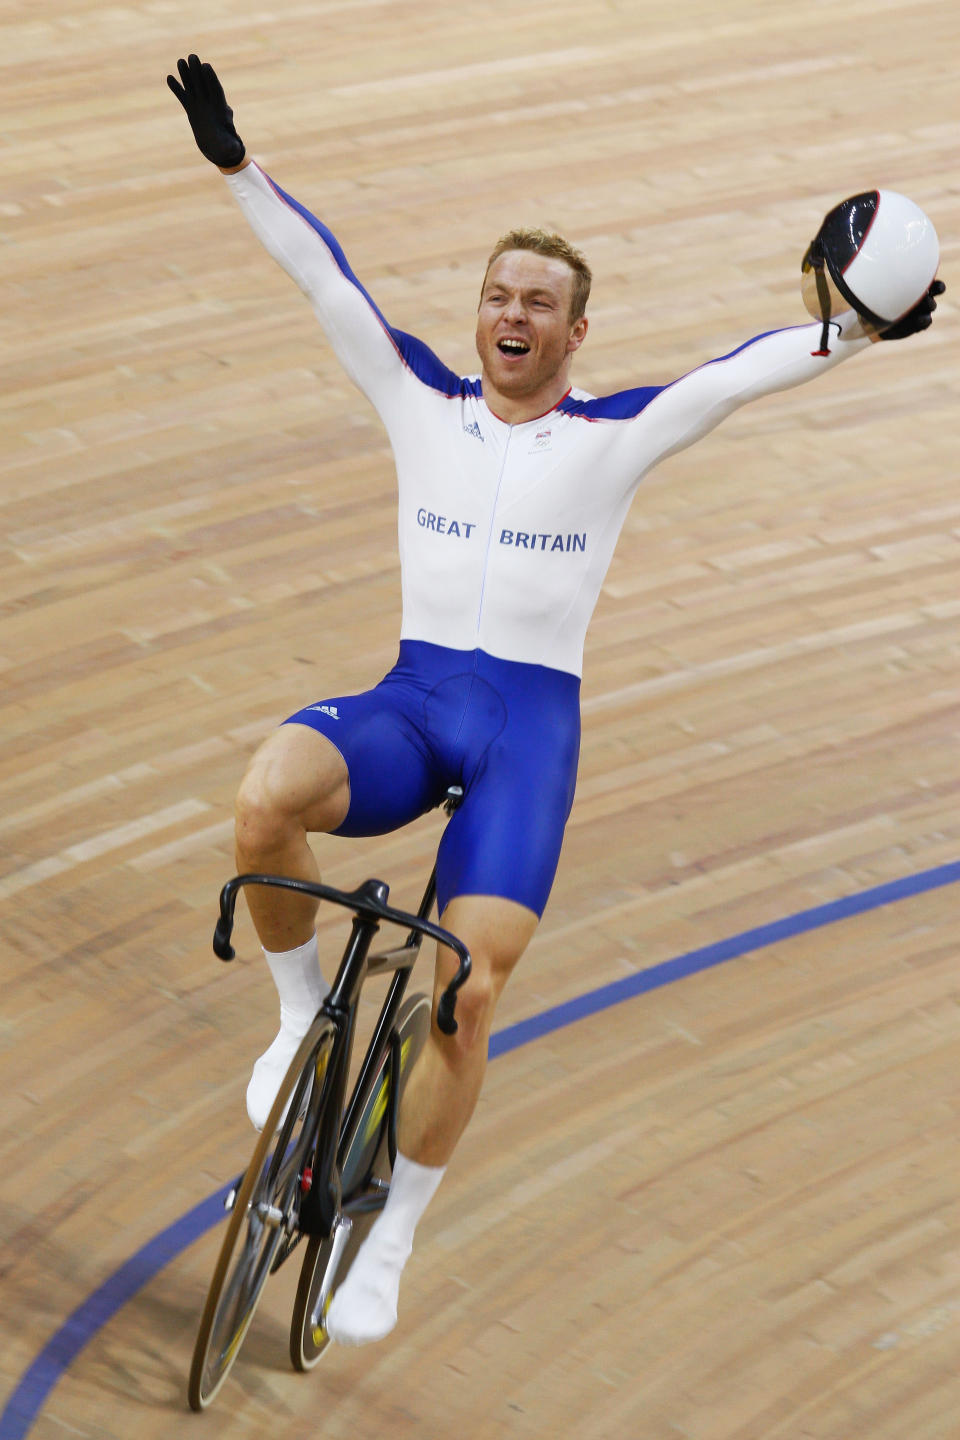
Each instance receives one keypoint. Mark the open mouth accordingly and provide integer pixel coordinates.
(513, 347)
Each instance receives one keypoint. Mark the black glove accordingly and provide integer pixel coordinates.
(917, 319)
(211, 118)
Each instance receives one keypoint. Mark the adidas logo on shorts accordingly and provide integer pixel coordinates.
(330, 710)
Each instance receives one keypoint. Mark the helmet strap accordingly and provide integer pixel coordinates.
(823, 296)
(815, 260)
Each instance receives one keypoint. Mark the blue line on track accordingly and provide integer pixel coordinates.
(709, 955)
(89, 1318)
(100, 1307)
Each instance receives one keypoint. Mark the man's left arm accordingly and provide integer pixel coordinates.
(693, 405)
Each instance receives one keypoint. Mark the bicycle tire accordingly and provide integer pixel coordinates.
(250, 1244)
(367, 1158)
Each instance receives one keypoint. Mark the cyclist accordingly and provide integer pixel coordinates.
(513, 487)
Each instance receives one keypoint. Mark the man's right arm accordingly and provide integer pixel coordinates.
(311, 256)
(364, 344)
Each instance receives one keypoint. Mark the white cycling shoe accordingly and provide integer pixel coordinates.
(268, 1073)
(364, 1308)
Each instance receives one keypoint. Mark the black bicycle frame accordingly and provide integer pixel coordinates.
(384, 1028)
(322, 1202)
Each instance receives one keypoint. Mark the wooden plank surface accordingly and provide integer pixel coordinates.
(726, 1210)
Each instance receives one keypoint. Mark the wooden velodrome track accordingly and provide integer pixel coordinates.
(726, 1209)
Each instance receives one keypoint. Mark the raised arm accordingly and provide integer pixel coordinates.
(686, 410)
(364, 343)
(376, 356)
(783, 358)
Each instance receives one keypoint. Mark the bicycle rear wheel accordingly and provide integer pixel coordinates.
(366, 1170)
(263, 1217)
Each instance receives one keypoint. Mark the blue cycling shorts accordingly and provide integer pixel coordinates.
(507, 733)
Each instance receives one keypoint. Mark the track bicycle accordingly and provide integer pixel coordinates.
(320, 1169)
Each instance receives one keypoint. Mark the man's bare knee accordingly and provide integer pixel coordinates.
(262, 826)
(496, 932)
(296, 783)
(476, 1002)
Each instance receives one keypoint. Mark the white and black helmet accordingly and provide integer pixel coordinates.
(881, 252)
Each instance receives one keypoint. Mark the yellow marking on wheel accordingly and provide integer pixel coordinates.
(233, 1347)
(383, 1095)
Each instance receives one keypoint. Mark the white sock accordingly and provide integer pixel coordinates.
(301, 987)
(364, 1308)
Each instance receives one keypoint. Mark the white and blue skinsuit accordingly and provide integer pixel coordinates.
(506, 533)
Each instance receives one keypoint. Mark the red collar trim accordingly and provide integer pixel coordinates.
(532, 418)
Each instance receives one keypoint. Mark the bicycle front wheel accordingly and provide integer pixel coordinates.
(264, 1215)
(366, 1171)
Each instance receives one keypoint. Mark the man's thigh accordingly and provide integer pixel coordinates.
(390, 775)
(506, 837)
(519, 782)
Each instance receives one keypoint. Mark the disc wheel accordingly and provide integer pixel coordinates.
(367, 1162)
(263, 1216)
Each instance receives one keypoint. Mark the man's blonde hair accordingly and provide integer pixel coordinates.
(543, 242)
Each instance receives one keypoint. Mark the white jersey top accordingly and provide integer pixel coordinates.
(506, 531)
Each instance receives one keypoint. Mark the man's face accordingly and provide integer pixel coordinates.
(524, 331)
